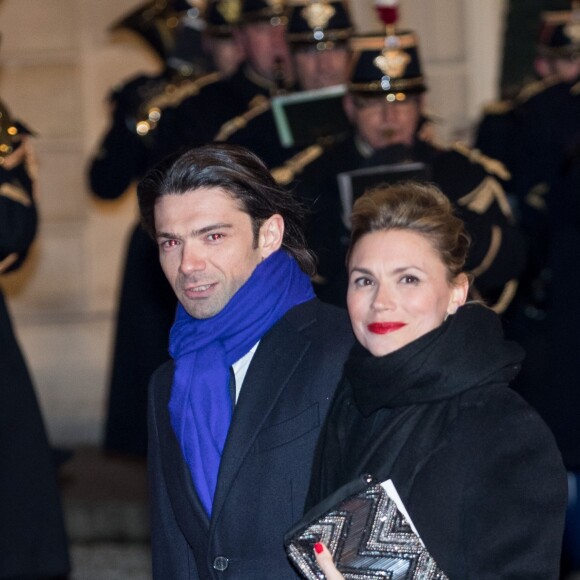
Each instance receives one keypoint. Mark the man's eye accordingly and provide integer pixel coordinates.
(166, 244)
(362, 281)
(215, 237)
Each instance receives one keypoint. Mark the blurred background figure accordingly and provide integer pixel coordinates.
(33, 542)
(317, 34)
(555, 60)
(385, 103)
(174, 30)
(545, 183)
(218, 40)
(259, 28)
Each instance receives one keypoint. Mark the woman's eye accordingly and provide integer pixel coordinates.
(408, 279)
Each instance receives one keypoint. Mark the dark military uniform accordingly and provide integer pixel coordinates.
(198, 118)
(387, 71)
(550, 382)
(33, 542)
(497, 253)
(317, 27)
(546, 315)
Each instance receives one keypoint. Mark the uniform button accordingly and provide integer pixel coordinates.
(221, 563)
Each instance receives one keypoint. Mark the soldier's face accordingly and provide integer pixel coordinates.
(381, 123)
(265, 45)
(207, 247)
(567, 68)
(317, 69)
(226, 53)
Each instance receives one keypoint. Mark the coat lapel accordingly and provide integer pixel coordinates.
(182, 494)
(277, 357)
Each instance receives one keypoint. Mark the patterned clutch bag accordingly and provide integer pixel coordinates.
(369, 537)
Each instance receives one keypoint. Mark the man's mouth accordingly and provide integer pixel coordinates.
(199, 290)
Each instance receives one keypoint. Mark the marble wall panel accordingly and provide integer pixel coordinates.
(68, 358)
(45, 26)
(47, 97)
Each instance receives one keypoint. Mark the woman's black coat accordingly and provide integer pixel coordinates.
(476, 467)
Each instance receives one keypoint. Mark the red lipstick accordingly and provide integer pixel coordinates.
(385, 327)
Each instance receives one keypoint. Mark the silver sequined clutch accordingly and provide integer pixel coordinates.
(368, 536)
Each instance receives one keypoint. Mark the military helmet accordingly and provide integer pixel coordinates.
(156, 22)
(386, 65)
(559, 35)
(221, 16)
(273, 11)
(321, 23)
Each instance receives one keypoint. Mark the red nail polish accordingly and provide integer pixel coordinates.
(318, 548)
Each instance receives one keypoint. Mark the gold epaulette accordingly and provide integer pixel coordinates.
(15, 193)
(498, 107)
(536, 87)
(482, 197)
(491, 165)
(257, 106)
(173, 94)
(7, 262)
(285, 174)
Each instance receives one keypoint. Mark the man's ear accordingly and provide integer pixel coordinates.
(349, 107)
(271, 235)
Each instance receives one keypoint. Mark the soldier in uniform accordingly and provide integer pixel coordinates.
(267, 69)
(318, 33)
(546, 320)
(497, 132)
(147, 304)
(33, 541)
(384, 102)
(123, 154)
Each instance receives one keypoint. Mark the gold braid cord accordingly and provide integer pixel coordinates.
(295, 165)
(7, 262)
(480, 199)
(16, 194)
(493, 166)
(174, 94)
(509, 289)
(492, 251)
(257, 106)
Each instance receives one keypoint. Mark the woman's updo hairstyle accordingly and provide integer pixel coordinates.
(417, 207)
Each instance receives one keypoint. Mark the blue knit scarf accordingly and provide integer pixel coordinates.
(203, 350)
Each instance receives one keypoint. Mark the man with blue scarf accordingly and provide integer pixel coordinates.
(235, 415)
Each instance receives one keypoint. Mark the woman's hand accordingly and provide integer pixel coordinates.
(324, 560)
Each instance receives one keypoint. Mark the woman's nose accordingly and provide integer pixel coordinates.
(383, 299)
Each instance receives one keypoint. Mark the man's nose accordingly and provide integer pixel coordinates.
(278, 41)
(389, 111)
(191, 261)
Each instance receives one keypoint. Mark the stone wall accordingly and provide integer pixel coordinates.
(57, 64)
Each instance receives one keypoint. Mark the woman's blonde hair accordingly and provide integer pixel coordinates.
(417, 207)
